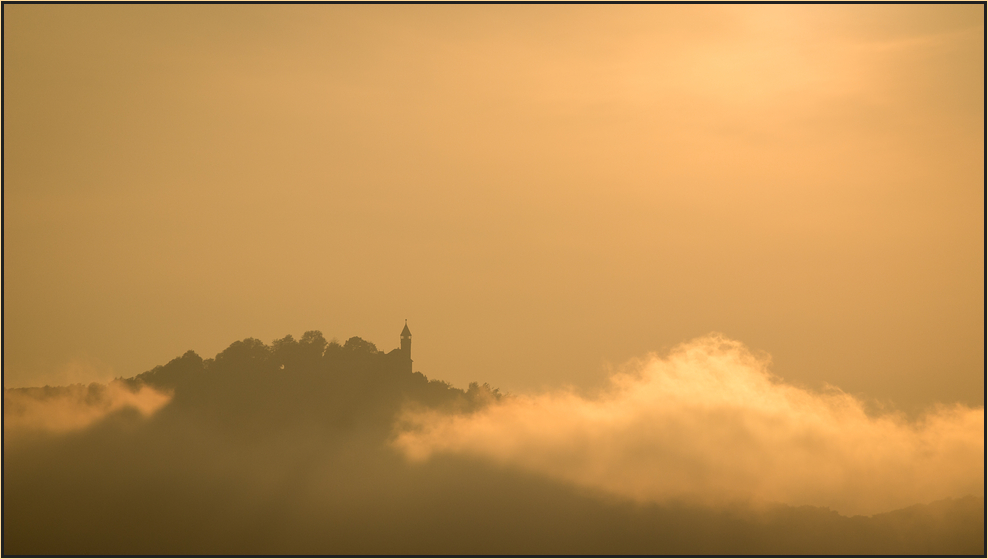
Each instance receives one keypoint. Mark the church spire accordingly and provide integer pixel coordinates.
(406, 344)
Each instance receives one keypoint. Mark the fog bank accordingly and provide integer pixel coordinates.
(710, 424)
(68, 408)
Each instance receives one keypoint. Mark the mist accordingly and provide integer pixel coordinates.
(550, 187)
(308, 446)
(67, 408)
(541, 190)
(708, 423)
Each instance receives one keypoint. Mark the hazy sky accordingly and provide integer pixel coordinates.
(541, 191)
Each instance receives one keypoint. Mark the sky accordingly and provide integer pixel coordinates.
(543, 192)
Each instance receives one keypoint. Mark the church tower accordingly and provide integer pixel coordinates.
(406, 344)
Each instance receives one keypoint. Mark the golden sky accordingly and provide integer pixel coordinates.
(542, 191)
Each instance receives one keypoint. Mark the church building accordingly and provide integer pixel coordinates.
(403, 354)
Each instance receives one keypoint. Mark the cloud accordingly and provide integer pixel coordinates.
(708, 423)
(67, 408)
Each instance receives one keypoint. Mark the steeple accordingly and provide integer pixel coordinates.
(406, 340)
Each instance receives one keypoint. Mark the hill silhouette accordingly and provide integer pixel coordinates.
(284, 449)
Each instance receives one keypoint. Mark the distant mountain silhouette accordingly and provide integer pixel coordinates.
(283, 449)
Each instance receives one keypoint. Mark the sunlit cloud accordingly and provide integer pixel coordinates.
(68, 408)
(709, 423)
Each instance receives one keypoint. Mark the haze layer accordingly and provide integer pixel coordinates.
(540, 189)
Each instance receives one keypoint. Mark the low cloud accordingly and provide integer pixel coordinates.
(68, 408)
(708, 423)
